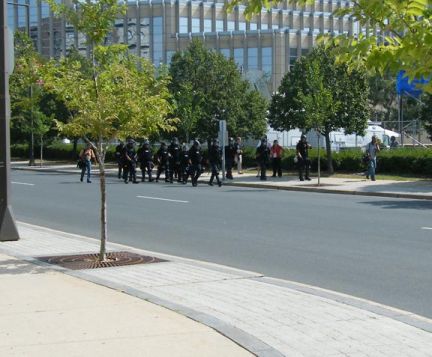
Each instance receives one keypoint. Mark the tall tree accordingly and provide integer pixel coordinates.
(322, 95)
(122, 97)
(211, 86)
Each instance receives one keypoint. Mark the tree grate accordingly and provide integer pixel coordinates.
(91, 261)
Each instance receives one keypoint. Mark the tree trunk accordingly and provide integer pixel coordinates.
(41, 151)
(75, 147)
(330, 169)
(103, 208)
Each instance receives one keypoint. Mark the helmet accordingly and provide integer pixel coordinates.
(216, 142)
(163, 143)
(303, 137)
(174, 140)
(146, 142)
(196, 143)
(184, 147)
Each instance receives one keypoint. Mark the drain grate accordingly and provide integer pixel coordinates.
(90, 261)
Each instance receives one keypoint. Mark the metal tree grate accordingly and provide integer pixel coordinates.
(91, 261)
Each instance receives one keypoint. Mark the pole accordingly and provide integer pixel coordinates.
(319, 158)
(400, 118)
(8, 230)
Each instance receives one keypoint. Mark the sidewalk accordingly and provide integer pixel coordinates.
(358, 186)
(268, 317)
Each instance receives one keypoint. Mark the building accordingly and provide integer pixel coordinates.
(264, 48)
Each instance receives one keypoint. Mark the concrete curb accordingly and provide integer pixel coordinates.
(261, 186)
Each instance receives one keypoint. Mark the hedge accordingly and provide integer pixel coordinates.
(407, 161)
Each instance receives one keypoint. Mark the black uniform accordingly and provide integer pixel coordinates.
(119, 158)
(214, 156)
(129, 163)
(184, 171)
(145, 157)
(195, 157)
(303, 162)
(163, 163)
(230, 152)
(262, 156)
(174, 162)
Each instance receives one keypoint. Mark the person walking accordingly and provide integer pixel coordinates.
(130, 162)
(145, 158)
(86, 156)
(184, 164)
(215, 160)
(195, 157)
(303, 162)
(371, 150)
(262, 157)
(119, 158)
(276, 156)
(162, 156)
(174, 160)
(230, 152)
(238, 146)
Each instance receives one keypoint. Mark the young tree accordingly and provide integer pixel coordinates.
(122, 97)
(319, 94)
(214, 85)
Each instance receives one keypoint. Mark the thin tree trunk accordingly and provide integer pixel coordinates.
(330, 168)
(103, 208)
(41, 151)
(74, 148)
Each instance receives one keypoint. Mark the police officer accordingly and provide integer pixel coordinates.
(130, 161)
(230, 152)
(184, 170)
(195, 158)
(303, 161)
(262, 156)
(145, 157)
(174, 160)
(119, 158)
(215, 160)
(162, 156)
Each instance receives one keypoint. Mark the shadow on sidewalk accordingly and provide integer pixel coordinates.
(16, 267)
(404, 204)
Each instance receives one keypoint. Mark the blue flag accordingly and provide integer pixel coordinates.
(405, 86)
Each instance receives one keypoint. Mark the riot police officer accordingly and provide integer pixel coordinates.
(162, 156)
(130, 161)
(230, 152)
(215, 160)
(195, 158)
(262, 156)
(145, 157)
(174, 160)
(184, 170)
(119, 158)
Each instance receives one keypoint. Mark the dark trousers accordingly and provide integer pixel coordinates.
(303, 166)
(175, 171)
(263, 169)
(165, 169)
(196, 173)
(120, 167)
(147, 167)
(276, 164)
(129, 169)
(229, 166)
(214, 173)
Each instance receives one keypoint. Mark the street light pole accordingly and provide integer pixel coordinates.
(8, 230)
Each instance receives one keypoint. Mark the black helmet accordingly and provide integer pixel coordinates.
(216, 142)
(184, 147)
(146, 142)
(163, 143)
(196, 143)
(174, 140)
(303, 137)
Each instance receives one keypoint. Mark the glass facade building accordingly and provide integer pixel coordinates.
(264, 48)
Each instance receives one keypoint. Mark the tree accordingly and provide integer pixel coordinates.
(121, 97)
(208, 88)
(319, 94)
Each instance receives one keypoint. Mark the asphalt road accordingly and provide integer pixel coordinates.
(374, 248)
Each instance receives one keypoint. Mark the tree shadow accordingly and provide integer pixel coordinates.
(16, 267)
(401, 204)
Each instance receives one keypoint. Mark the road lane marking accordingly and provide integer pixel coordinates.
(22, 183)
(162, 199)
(429, 228)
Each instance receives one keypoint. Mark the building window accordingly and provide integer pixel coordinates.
(267, 59)
(219, 25)
(230, 25)
(45, 10)
(293, 56)
(226, 52)
(157, 40)
(252, 58)
(145, 37)
(183, 25)
(169, 55)
(207, 25)
(239, 57)
(195, 25)
(264, 26)
(253, 26)
(275, 26)
(242, 26)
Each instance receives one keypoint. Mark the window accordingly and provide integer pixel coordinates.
(242, 26)
(183, 25)
(230, 25)
(225, 52)
(45, 10)
(207, 25)
(267, 59)
(253, 26)
(264, 26)
(195, 25)
(293, 56)
(275, 26)
(239, 56)
(157, 40)
(252, 58)
(219, 25)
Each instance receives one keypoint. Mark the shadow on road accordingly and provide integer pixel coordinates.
(403, 204)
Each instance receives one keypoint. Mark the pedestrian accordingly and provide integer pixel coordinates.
(174, 160)
(393, 143)
(86, 156)
(119, 158)
(239, 155)
(145, 158)
(162, 156)
(371, 150)
(230, 152)
(184, 171)
(262, 157)
(195, 159)
(303, 162)
(215, 160)
(130, 162)
(276, 155)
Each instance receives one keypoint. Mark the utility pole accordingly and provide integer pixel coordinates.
(8, 230)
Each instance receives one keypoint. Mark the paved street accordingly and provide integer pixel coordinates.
(374, 248)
